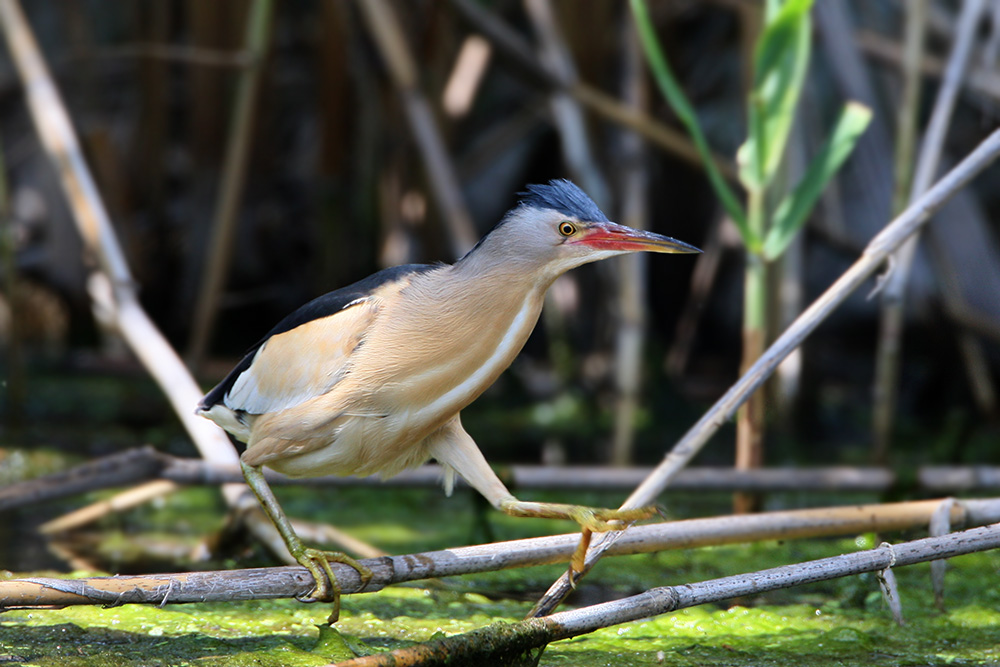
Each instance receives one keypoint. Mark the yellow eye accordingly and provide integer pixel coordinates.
(567, 228)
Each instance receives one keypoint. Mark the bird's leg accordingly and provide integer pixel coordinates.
(316, 561)
(456, 448)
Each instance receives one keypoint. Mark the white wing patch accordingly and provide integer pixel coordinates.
(303, 363)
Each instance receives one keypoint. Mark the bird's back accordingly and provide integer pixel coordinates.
(302, 356)
(406, 358)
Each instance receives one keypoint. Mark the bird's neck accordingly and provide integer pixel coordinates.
(495, 296)
(463, 330)
(514, 278)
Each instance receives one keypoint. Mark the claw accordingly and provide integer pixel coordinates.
(327, 588)
(576, 563)
(314, 560)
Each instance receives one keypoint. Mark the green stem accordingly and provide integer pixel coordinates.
(750, 423)
(755, 288)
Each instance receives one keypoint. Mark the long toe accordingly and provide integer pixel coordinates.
(625, 516)
(601, 520)
(597, 519)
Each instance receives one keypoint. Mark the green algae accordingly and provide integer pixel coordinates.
(820, 624)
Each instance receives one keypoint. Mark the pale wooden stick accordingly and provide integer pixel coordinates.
(59, 140)
(877, 251)
(188, 55)
(279, 582)
(133, 497)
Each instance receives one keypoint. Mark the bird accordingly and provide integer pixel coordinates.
(371, 378)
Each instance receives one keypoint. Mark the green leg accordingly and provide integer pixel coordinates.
(316, 561)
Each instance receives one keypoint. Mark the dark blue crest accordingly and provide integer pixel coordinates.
(563, 196)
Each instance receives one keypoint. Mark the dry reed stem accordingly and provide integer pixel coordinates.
(889, 353)
(234, 172)
(516, 49)
(53, 125)
(387, 32)
(146, 463)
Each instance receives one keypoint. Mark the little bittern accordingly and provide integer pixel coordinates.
(371, 378)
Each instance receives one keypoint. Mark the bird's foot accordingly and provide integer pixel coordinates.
(327, 589)
(590, 519)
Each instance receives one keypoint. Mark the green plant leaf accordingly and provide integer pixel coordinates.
(781, 58)
(675, 97)
(793, 210)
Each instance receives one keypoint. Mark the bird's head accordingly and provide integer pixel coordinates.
(557, 227)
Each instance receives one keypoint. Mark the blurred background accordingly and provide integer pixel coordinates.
(334, 138)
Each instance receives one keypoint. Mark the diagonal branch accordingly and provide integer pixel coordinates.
(875, 254)
(516, 49)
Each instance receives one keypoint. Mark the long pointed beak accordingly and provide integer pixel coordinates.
(612, 236)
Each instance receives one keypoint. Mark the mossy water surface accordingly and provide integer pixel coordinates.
(833, 623)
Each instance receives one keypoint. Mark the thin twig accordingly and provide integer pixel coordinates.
(295, 581)
(631, 310)
(178, 53)
(883, 399)
(981, 80)
(514, 47)
(147, 464)
(14, 384)
(875, 254)
(703, 277)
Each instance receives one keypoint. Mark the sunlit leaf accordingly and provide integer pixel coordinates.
(780, 62)
(793, 211)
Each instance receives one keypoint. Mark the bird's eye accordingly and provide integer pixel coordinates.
(567, 228)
